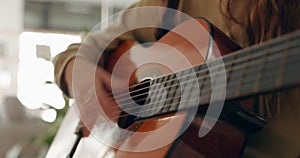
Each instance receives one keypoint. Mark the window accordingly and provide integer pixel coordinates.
(34, 72)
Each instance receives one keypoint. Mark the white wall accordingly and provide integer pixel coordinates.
(11, 25)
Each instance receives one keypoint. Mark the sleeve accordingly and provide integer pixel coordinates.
(99, 41)
(60, 61)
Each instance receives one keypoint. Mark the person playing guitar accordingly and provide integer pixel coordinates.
(246, 23)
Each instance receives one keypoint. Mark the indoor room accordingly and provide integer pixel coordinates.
(149, 78)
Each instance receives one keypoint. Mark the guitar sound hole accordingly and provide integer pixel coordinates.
(139, 95)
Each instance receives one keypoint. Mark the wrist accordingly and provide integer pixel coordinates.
(67, 76)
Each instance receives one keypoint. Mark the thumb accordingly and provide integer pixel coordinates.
(111, 82)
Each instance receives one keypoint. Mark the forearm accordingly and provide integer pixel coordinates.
(67, 77)
(96, 42)
(60, 63)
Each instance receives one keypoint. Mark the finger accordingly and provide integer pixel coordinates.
(104, 77)
(111, 82)
(110, 108)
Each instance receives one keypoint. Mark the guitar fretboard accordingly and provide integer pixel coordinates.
(262, 68)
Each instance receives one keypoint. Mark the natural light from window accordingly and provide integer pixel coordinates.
(34, 72)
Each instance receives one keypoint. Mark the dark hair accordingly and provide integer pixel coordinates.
(264, 19)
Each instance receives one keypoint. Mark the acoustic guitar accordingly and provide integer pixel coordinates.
(173, 98)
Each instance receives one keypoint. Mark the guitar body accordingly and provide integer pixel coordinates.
(175, 133)
(171, 54)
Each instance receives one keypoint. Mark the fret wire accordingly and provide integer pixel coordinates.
(176, 94)
(202, 101)
(291, 60)
(202, 76)
(191, 90)
(266, 77)
(187, 79)
(274, 64)
(253, 64)
(257, 56)
(153, 97)
(282, 65)
(169, 90)
(245, 66)
(243, 83)
(206, 83)
(148, 99)
(256, 53)
(204, 79)
(205, 100)
(292, 57)
(295, 36)
(154, 86)
(251, 74)
(231, 62)
(172, 96)
(184, 85)
(230, 70)
(261, 69)
(178, 88)
(250, 66)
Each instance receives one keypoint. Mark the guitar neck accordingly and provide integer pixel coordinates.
(258, 69)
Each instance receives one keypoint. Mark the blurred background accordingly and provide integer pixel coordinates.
(32, 32)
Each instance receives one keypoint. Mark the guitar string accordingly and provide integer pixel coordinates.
(169, 106)
(243, 58)
(249, 90)
(282, 42)
(252, 64)
(180, 96)
(173, 92)
(205, 96)
(198, 78)
(202, 70)
(293, 39)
